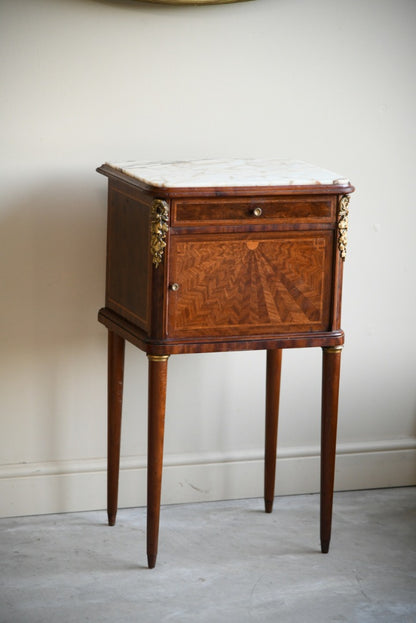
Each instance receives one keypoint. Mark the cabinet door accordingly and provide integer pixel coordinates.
(250, 284)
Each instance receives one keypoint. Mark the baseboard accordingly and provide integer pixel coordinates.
(67, 486)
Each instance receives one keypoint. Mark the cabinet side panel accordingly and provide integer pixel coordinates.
(128, 257)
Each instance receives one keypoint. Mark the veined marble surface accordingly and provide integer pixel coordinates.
(229, 172)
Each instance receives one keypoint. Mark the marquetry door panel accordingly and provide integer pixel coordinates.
(249, 284)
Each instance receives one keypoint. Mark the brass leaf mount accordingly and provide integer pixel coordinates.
(159, 230)
(343, 225)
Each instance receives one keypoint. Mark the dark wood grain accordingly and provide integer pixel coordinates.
(156, 426)
(330, 386)
(274, 210)
(128, 257)
(338, 268)
(273, 373)
(180, 346)
(115, 403)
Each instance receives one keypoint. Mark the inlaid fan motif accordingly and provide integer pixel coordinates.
(253, 284)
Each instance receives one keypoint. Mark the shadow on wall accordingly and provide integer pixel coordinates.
(53, 350)
(53, 248)
(52, 271)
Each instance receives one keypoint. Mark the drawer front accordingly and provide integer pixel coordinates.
(253, 284)
(234, 211)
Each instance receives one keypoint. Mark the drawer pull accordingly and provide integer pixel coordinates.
(174, 287)
(257, 211)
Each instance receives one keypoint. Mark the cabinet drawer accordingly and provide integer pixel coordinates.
(253, 210)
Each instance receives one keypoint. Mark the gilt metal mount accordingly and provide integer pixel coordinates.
(343, 225)
(159, 229)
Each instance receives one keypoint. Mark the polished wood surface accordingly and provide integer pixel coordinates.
(331, 366)
(273, 374)
(282, 210)
(158, 368)
(226, 284)
(115, 403)
(176, 346)
(128, 259)
(242, 268)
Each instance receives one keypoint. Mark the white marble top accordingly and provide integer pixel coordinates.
(226, 173)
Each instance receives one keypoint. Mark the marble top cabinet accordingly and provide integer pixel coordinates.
(223, 255)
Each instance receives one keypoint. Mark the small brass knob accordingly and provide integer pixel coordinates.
(257, 211)
(174, 287)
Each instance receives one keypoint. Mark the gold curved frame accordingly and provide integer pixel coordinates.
(159, 230)
(182, 2)
(343, 225)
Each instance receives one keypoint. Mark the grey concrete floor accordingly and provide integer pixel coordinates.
(218, 562)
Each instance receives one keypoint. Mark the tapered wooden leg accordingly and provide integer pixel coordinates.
(330, 388)
(274, 363)
(158, 367)
(115, 401)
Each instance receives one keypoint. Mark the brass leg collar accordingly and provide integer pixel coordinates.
(158, 357)
(333, 349)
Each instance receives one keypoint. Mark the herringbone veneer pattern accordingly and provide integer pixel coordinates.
(253, 285)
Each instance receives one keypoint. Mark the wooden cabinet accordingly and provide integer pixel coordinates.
(217, 256)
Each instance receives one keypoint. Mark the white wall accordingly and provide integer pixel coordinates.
(83, 81)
